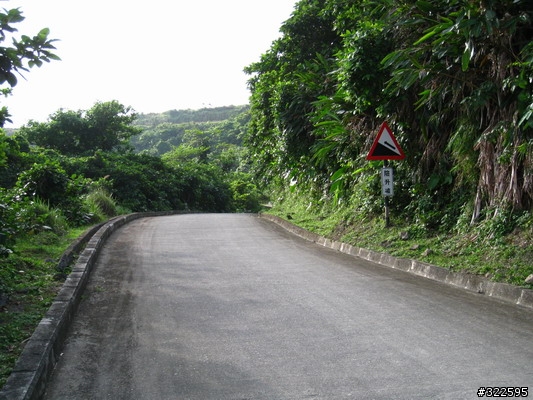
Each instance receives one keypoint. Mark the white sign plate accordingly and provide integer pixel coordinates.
(387, 182)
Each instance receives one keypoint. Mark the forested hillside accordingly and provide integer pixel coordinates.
(162, 132)
(214, 114)
(453, 79)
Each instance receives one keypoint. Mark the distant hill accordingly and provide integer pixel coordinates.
(216, 114)
(163, 132)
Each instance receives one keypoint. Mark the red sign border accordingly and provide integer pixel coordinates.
(371, 157)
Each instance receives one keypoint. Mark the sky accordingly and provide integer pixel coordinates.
(154, 56)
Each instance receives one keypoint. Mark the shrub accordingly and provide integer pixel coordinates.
(47, 181)
(50, 218)
(244, 193)
(102, 200)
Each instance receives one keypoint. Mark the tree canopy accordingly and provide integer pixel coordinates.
(453, 79)
(106, 126)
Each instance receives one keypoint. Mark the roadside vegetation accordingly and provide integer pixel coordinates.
(499, 249)
(29, 282)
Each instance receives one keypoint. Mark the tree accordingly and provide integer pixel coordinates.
(290, 76)
(106, 126)
(110, 126)
(26, 52)
(467, 66)
(452, 78)
(62, 132)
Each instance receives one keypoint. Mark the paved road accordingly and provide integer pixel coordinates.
(233, 307)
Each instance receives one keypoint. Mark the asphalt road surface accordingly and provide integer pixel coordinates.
(233, 307)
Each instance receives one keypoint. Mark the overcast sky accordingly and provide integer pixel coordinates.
(153, 55)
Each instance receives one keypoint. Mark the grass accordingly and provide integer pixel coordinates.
(29, 278)
(29, 282)
(475, 249)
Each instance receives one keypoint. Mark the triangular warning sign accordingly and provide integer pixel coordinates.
(385, 147)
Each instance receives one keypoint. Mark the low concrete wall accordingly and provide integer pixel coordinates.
(502, 291)
(36, 363)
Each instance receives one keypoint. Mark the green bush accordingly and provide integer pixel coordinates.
(245, 194)
(101, 201)
(47, 181)
(47, 218)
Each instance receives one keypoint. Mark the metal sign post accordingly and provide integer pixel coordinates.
(386, 147)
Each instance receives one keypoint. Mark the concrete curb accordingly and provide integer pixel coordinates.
(36, 363)
(475, 283)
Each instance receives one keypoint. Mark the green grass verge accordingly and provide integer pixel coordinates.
(475, 249)
(29, 282)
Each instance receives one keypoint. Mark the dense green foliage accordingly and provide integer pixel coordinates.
(26, 287)
(453, 79)
(215, 114)
(162, 132)
(80, 166)
(106, 126)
